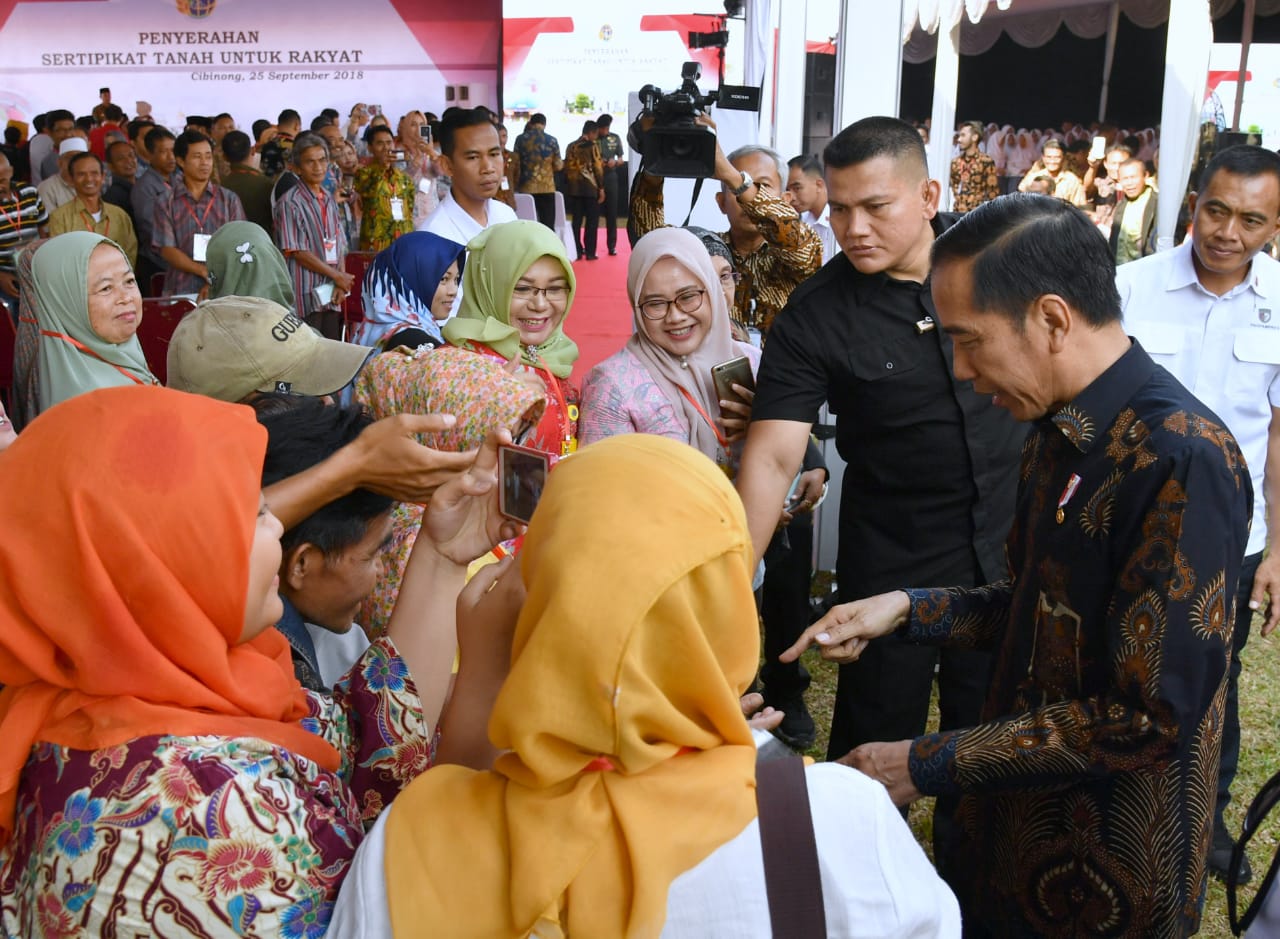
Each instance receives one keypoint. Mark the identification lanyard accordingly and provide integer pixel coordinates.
(87, 351)
(200, 220)
(16, 219)
(323, 206)
(720, 437)
(568, 442)
(89, 222)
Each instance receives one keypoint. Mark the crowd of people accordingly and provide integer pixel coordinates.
(277, 659)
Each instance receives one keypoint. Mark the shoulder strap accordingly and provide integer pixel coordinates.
(1261, 806)
(792, 878)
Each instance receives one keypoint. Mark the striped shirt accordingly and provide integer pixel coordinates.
(150, 188)
(303, 222)
(21, 215)
(179, 218)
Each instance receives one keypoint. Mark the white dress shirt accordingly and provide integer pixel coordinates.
(876, 882)
(1225, 350)
(450, 220)
(822, 225)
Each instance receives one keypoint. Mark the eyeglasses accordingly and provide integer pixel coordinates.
(525, 293)
(686, 301)
(730, 277)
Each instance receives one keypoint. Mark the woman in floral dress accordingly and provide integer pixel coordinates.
(162, 773)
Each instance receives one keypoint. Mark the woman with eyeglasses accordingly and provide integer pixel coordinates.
(660, 382)
(517, 289)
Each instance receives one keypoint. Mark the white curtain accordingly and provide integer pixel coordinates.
(1186, 68)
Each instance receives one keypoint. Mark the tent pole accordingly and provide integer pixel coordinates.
(1246, 39)
(1112, 27)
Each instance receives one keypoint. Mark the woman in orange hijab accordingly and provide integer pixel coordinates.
(623, 803)
(161, 770)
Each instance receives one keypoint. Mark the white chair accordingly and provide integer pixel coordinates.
(564, 230)
(525, 208)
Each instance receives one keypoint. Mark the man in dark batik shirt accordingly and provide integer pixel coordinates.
(1088, 791)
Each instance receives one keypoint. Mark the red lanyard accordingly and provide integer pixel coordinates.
(553, 388)
(87, 351)
(207, 209)
(14, 220)
(324, 213)
(707, 417)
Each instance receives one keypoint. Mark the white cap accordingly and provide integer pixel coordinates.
(73, 144)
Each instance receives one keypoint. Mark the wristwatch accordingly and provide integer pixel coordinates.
(746, 184)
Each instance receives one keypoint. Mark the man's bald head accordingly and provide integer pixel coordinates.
(874, 137)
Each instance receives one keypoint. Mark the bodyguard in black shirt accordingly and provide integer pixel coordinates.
(932, 466)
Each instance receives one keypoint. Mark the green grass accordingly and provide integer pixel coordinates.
(1259, 759)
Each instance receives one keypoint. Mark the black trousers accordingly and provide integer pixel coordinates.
(611, 210)
(784, 607)
(545, 205)
(1230, 758)
(586, 213)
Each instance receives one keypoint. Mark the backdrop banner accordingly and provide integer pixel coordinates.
(247, 57)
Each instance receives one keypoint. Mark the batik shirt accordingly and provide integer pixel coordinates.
(538, 160)
(377, 187)
(583, 169)
(21, 215)
(209, 836)
(790, 253)
(973, 181)
(1089, 791)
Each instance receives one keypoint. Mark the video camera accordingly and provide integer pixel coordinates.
(675, 144)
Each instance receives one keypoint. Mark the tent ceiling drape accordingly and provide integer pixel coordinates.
(1030, 23)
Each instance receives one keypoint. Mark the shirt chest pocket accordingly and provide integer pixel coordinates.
(1256, 355)
(891, 375)
(1161, 341)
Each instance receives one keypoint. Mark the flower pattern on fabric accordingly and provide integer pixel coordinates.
(376, 188)
(209, 836)
(973, 181)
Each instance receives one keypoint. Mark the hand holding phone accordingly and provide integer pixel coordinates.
(733, 372)
(522, 475)
(1098, 150)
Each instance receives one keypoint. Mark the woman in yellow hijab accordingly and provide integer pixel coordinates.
(626, 762)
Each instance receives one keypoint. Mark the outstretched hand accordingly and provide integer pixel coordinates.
(846, 629)
(391, 462)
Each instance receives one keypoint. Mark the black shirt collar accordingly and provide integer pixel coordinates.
(1093, 410)
(867, 286)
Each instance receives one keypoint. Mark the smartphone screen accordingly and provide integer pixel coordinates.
(522, 475)
(425, 131)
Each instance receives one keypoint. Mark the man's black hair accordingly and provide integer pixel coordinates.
(224, 114)
(1241, 160)
(807, 163)
(288, 116)
(155, 135)
(538, 118)
(39, 122)
(455, 119)
(83, 155)
(104, 91)
(112, 144)
(1053, 143)
(320, 121)
(113, 113)
(873, 137)
(138, 125)
(298, 438)
(12, 135)
(605, 121)
(589, 127)
(330, 113)
(186, 140)
(259, 126)
(60, 114)
(236, 146)
(374, 129)
(86, 123)
(1024, 246)
(199, 120)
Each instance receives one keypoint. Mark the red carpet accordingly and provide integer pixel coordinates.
(600, 321)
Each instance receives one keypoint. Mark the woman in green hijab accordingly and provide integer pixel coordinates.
(517, 289)
(83, 336)
(243, 262)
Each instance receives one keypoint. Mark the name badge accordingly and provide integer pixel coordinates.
(331, 251)
(397, 210)
(200, 247)
(506, 184)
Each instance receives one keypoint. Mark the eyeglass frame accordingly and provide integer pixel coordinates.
(535, 291)
(699, 292)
